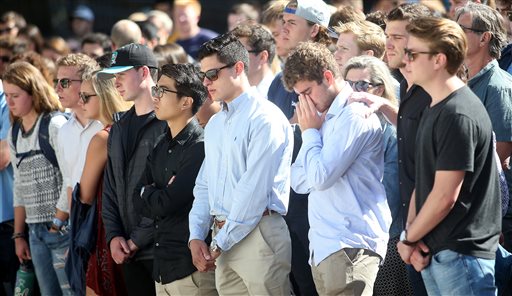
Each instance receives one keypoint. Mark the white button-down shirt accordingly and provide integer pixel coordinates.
(246, 170)
(265, 83)
(73, 143)
(341, 166)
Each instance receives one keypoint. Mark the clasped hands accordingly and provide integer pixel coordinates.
(202, 258)
(417, 255)
(122, 250)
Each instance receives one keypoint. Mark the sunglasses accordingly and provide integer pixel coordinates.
(5, 59)
(85, 97)
(6, 30)
(213, 74)
(158, 91)
(361, 85)
(412, 55)
(64, 82)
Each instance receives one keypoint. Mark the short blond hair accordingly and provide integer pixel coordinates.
(193, 3)
(81, 61)
(369, 36)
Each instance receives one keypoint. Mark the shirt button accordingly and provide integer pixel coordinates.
(399, 139)
(156, 226)
(399, 161)
(403, 205)
(400, 116)
(157, 244)
(170, 150)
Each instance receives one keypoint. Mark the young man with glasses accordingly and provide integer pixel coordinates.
(131, 139)
(454, 215)
(261, 47)
(243, 185)
(165, 191)
(74, 136)
(340, 165)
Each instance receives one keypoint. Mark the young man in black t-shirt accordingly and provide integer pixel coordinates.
(454, 221)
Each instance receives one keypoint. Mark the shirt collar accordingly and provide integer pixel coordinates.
(340, 101)
(484, 70)
(238, 102)
(184, 135)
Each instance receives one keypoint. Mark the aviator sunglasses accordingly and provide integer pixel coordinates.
(213, 74)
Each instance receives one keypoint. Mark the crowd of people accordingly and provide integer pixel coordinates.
(309, 150)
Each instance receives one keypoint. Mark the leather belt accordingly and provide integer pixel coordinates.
(220, 224)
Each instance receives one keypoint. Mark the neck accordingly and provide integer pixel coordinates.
(475, 63)
(29, 120)
(257, 77)
(441, 86)
(238, 90)
(194, 30)
(79, 114)
(144, 103)
(176, 125)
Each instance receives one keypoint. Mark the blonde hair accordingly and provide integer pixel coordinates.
(29, 79)
(111, 101)
(369, 36)
(379, 74)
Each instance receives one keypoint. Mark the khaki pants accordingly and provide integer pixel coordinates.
(347, 272)
(259, 264)
(196, 284)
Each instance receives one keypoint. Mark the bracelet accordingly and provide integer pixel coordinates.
(18, 235)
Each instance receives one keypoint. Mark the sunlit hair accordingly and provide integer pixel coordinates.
(81, 61)
(379, 74)
(442, 36)
(308, 62)
(111, 101)
(29, 79)
(369, 36)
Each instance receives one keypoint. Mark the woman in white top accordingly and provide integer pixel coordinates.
(37, 179)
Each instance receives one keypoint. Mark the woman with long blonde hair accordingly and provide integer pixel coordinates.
(33, 106)
(100, 101)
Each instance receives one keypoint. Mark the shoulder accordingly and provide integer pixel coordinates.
(98, 142)
(58, 120)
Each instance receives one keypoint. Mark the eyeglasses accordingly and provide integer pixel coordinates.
(85, 97)
(465, 29)
(6, 30)
(158, 91)
(361, 85)
(5, 59)
(213, 74)
(64, 82)
(412, 55)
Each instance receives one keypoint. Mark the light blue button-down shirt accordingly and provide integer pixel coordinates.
(246, 170)
(6, 175)
(341, 166)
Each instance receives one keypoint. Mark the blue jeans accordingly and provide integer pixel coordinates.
(451, 273)
(49, 252)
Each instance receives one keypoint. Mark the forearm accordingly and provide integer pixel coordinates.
(389, 111)
(411, 215)
(4, 154)
(19, 219)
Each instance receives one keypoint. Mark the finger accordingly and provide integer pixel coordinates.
(423, 247)
(310, 106)
(205, 252)
(124, 246)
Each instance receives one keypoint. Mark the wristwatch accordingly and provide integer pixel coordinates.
(403, 239)
(214, 247)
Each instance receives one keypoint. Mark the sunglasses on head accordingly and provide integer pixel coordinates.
(85, 97)
(158, 91)
(5, 59)
(64, 82)
(213, 74)
(361, 85)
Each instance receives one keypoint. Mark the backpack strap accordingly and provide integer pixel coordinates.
(44, 139)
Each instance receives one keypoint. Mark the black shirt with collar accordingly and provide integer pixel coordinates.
(412, 104)
(169, 204)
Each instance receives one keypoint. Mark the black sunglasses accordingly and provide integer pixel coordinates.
(213, 74)
(64, 82)
(85, 97)
(361, 85)
(412, 55)
(158, 91)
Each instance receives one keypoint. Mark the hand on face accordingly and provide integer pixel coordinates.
(307, 114)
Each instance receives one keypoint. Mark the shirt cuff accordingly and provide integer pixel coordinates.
(310, 135)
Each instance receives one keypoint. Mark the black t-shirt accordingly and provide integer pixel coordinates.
(456, 135)
(134, 126)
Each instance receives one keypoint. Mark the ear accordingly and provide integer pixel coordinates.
(239, 68)
(187, 103)
(368, 52)
(145, 72)
(329, 77)
(485, 38)
(440, 61)
(314, 30)
(263, 57)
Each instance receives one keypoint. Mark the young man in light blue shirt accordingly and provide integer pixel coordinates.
(340, 165)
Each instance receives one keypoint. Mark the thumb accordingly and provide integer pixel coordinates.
(205, 252)
(124, 246)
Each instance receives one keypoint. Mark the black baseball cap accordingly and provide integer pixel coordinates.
(127, 57)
